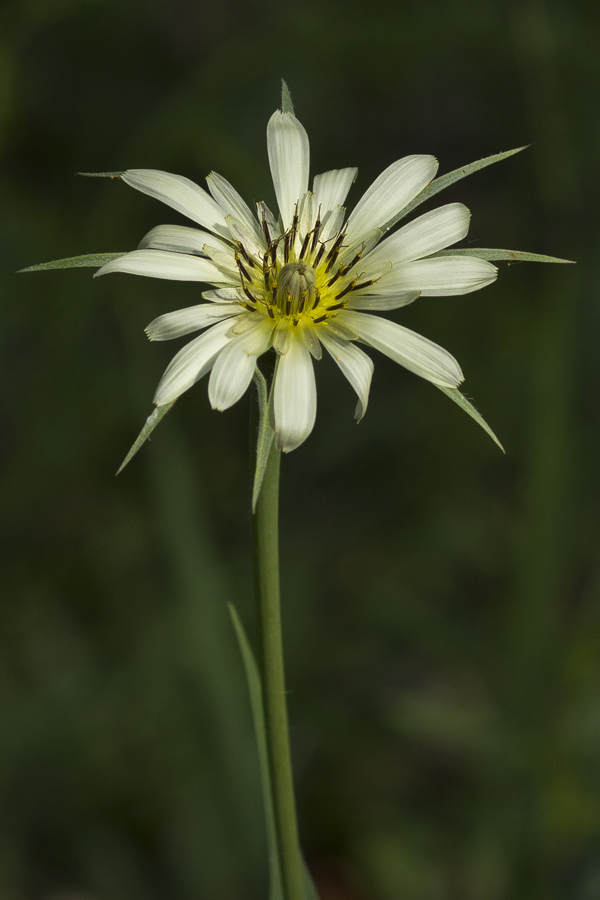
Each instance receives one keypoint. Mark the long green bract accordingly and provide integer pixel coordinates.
(75, 262)
(151, 422)
(511, 256)
(266, 433)
(444, 181)
(468, 407)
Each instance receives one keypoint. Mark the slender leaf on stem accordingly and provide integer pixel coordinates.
(266, 432)
(444, 181)
(102, 174)
(151, 423)
(258, 716)
(468, 407)
(310, 890)
(286, 99)
(75, 262)
(511, 256)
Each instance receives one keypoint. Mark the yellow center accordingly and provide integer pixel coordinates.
(300, 277)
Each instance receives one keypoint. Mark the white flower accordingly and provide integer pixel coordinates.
(309, 279)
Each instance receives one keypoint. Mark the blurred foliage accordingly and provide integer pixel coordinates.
(442, 615)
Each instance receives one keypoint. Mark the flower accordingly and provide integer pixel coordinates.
(310, 279)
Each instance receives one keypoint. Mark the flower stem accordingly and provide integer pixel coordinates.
(266, 557)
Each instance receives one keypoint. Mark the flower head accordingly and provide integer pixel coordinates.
(309, 279)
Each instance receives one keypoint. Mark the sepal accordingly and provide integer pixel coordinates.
(151, 422)
(468, 407)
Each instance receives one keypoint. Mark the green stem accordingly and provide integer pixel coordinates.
(266, 557)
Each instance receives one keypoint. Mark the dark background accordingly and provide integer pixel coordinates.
(441, 600)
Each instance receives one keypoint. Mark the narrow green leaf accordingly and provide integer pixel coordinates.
(310, 891)
(468, 407)
(511, 256)
(258, 716)
(74, 262)
(101, 174)
(438, 184)
(151, 423)
(266, 433)
(286, 99)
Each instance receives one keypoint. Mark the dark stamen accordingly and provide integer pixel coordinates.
(316, 230)
(242, 250)
(266, 230)
(241, 268)
(270, 311)
(320, 319)
(335, 278)
(304, 245)
(319, 255)
(347, 289)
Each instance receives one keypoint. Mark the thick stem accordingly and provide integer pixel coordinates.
(266, 557)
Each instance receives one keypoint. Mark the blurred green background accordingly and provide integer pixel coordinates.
(441, 601)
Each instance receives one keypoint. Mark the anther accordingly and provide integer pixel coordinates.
(304, 245)
(242, 250)
(320, 319)
(335, 278)
(319, 255)
(241, 268)
(266, 230)
(248, 294)
(357, 287)
(316, 230)
(346, 290)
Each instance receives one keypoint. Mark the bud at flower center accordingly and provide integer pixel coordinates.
(296, 289)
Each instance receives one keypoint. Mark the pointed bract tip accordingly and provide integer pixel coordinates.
(101, 174)
(286, 99)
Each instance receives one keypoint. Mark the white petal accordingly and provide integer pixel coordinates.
(332, 223)
(434, 231)
(354, 363)
(184, 321)
(223, 295)
(396, 186)
(307, 216)
(233, 205)
(191, 363)
(407, 348)
(235, 364)
(252, 243)
(375, 302)
(161, 264)
(180, 193)
(444, 276)
(331, 188)
(181, 239)
(265, 213)
(295, 399)
(289, 155)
